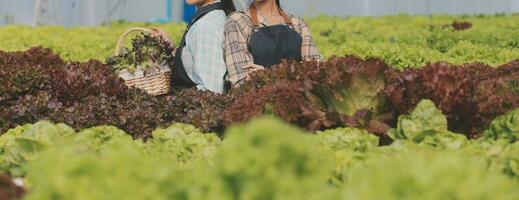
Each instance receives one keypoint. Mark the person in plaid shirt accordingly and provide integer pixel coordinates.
(261, 36)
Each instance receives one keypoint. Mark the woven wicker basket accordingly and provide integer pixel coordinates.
(156, 81)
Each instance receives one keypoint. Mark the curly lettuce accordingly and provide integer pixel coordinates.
(426, 125)
(504, 127)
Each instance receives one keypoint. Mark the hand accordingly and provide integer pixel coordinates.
(252, 69)
(157, 32)
(160, 33)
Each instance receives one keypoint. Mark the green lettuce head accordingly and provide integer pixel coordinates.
(426, 125)
(504, 127)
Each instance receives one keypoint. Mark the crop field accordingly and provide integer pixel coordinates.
(404, 107)
(400, 40)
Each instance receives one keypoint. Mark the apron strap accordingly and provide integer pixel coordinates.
(255, 21)
(285, 17)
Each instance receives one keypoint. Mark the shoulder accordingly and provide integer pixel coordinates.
(299, 23)
(213, 21)
(239, 14)
(296, 20)
(240, 17)
(239, 21)
(213, 17)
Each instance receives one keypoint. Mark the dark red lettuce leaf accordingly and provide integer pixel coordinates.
(450, 87)
(204, 109)
(41, 86)
(284, 99)
(470, 95)
(497, 96)
(287, 70)
(341, 87)
(76, 81)
(461, 26)
(24, 73)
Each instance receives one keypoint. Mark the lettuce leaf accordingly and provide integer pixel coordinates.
(504, 127)
(427, 125)
(23, 144)
(428, 174)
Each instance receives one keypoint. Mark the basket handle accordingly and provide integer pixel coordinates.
(120, 41)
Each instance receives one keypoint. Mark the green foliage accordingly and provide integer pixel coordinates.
(77, 44)
(183, 144)
(101, 137)
(425, 118)
(120, 172)
(413, 41)
(348, 139)
(401, 41)
(263, 159)
(349, 147)
(23, 144)
(426, 124)
(427, 175)
(499, 155)
(266, 159)
(505, 127)
(358, 86)
(180, 143)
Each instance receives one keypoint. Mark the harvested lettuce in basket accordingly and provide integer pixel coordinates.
(147, 53)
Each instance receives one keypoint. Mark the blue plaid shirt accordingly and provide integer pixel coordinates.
(203, 56)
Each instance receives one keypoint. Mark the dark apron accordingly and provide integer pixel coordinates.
(179, 77)
(271, 44)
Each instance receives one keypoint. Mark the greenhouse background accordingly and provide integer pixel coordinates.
(97, 12)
